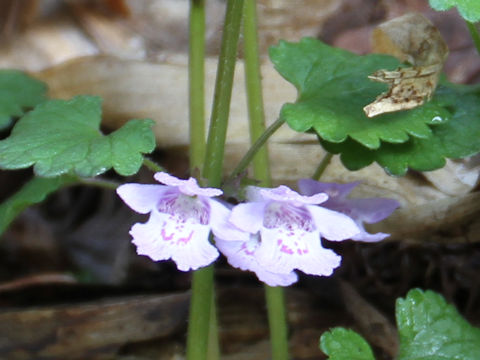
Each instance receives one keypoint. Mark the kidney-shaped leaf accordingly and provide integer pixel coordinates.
(18, 92)
(457, 138)
(61, 136)
(333, 87)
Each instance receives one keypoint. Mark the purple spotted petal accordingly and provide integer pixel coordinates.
(141, 198)
(241, 254)
(281, 251)
(333, 225)
(166, 237)
(188, 187)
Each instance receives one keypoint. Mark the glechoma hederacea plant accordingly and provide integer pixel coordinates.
(273, 232)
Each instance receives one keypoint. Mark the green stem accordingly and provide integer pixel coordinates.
(254, 91)
(261, 168)
(475, 35)
(277, 322)
(200, 314)
(213, 349)
(247, 158)
(322, 166)
(222, 94)
(151, 165)
(196, 72)
(101, 183)
(196, 88)
(202, 283)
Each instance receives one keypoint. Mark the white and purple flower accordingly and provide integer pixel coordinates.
(370, 210)
(181, 217)
(284, 230)
(277, 232)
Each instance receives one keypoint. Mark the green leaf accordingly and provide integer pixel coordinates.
(343, 344)
(18, 92)
(469, 9)
(431, 329)
(333, 88)
(61, 136)
(457, 138)
(33, 192)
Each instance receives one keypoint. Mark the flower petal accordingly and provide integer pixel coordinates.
(221, 226)
(165, 236)
(282, 251)
(240, 254)
(333, 225)
(311, 187)
(188, 187)
(248, 217)
(372, 210)
(367, 237)
(141, 198)
(284, 193)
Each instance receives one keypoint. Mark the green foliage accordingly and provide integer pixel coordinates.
(469, 9)
(333, 88)
(18, 92)
(431, 329)
(33, 192)
(343, 344)
(61, 136)
(457, 138)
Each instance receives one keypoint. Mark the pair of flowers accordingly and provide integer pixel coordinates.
(276, 232)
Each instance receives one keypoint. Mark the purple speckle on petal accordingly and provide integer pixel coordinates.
(185, 207)
(287, 216)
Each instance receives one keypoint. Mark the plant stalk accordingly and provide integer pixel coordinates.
(222, 95)
(261, 168)
(474, 34)
(247, 158)
(322, 166)
(196, 85)
(202, 282)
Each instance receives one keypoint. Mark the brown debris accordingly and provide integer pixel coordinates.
(89, 331)
(414, 39)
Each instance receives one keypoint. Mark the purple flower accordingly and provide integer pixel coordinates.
(285, 229)
(181, 217)
(369, 210)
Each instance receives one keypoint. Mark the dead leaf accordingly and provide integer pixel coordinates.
(414, 39)
(89, 330)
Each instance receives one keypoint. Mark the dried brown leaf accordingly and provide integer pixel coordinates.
(414, 39)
